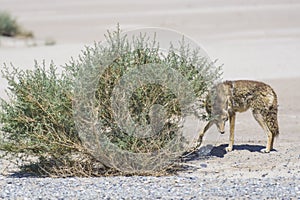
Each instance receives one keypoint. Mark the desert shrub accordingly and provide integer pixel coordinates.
(38, 119)
(10, 27)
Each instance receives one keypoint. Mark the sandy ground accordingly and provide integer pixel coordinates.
(256, 39)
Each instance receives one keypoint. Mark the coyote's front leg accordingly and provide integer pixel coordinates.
(201, 134)
(231, 137)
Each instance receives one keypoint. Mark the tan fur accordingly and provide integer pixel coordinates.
(230, 97)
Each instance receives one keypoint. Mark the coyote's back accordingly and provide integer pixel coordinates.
(257, 96)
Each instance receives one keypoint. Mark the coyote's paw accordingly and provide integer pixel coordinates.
(228, 149)
(265, 151)
(198, 144)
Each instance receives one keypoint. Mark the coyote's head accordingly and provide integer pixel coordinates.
(217, 106)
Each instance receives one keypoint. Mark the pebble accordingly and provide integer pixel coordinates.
(140, 187)
(203, 165)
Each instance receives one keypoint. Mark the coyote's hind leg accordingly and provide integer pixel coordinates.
(262, 122)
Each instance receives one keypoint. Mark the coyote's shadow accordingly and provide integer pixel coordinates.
(219, 151)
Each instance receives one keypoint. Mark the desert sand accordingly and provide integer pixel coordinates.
(256, 39)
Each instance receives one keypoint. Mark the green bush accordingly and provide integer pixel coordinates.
(9, 26)
(38, 121)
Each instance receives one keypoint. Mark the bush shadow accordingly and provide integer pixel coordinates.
(23, 174)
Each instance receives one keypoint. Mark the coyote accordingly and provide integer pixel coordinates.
(230, 97)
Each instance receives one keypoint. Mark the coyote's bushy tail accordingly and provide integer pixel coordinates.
(272, 122)
(271, 118)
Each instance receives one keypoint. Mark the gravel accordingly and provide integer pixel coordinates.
(140, 187)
